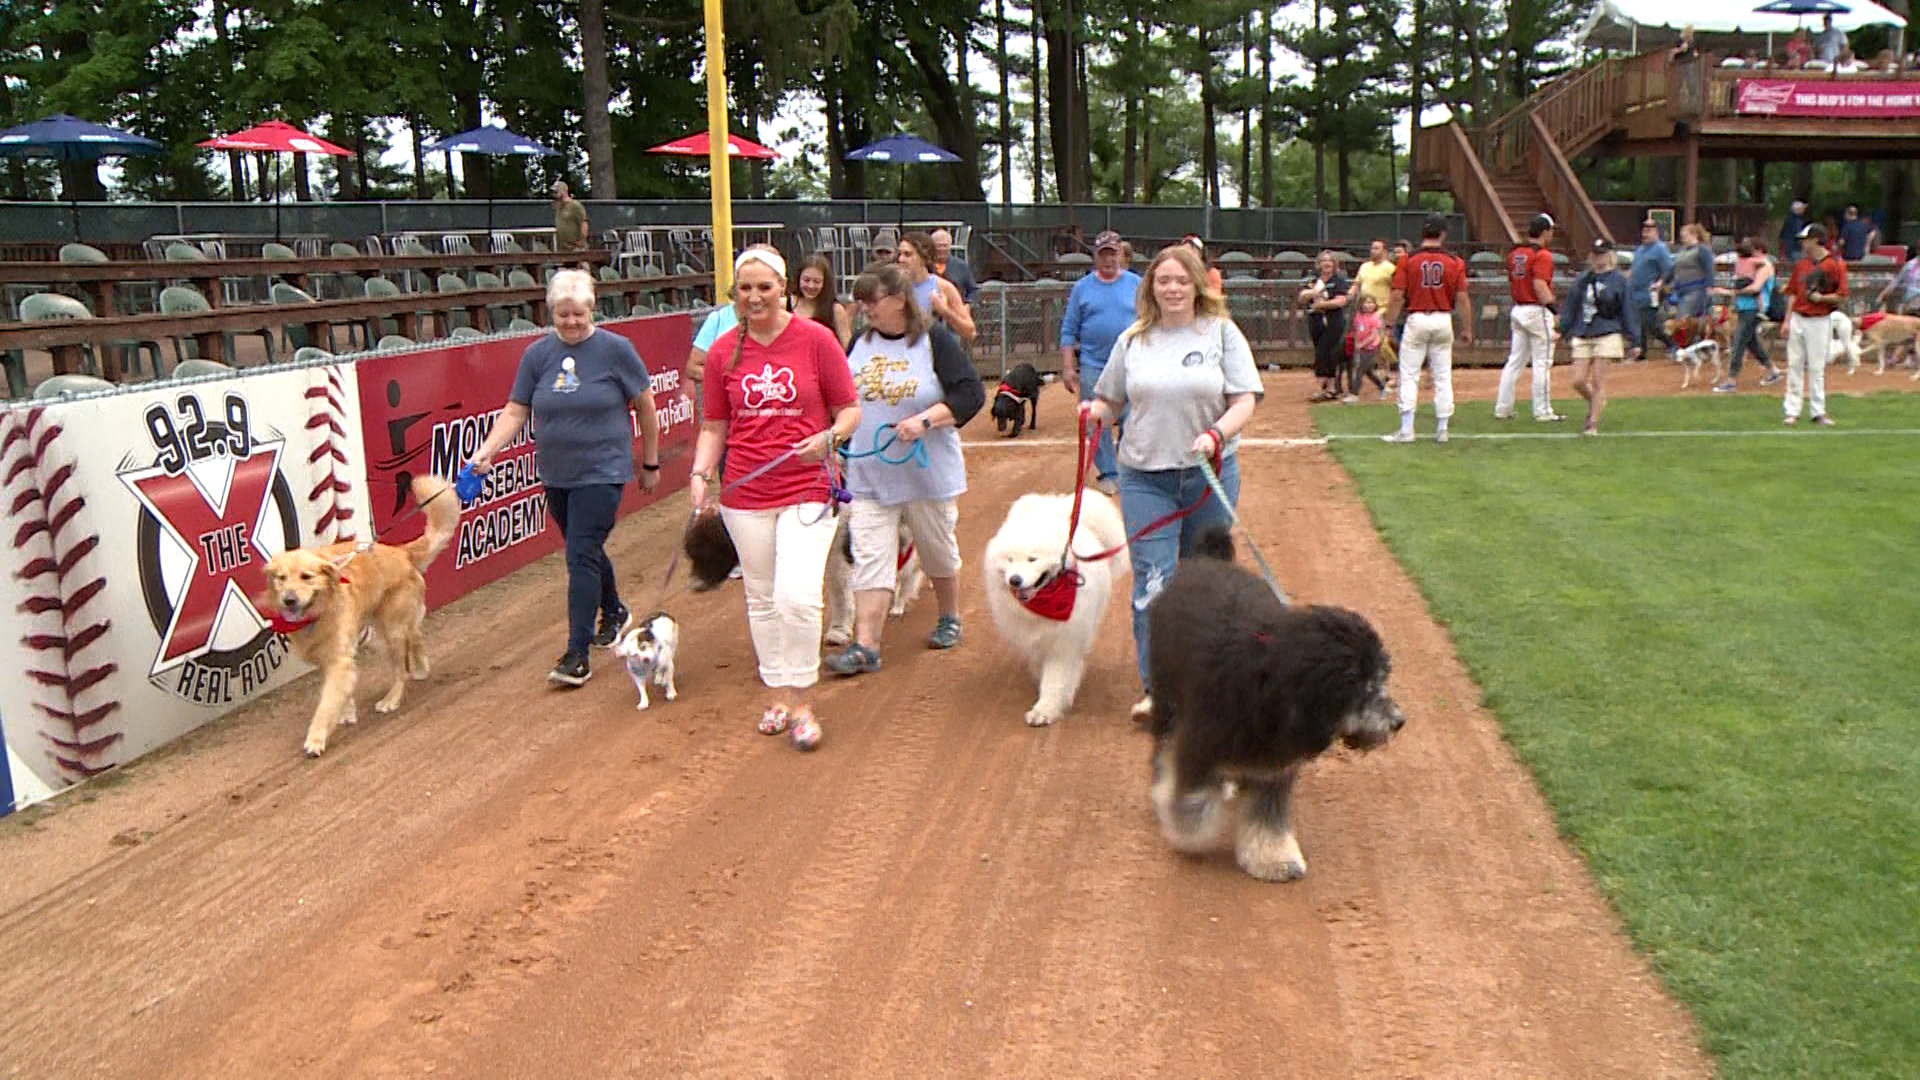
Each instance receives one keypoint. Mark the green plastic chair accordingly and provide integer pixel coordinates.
(521, 326)
(82, 253)
(277, 251)
(179, 252)
(188, 369)
(465, 333)
(310, 353)
(392, 342)
(69, 385)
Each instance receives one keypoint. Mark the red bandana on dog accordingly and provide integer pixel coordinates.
(906, 553)
(1054, 600)
(280, 624)
(1871, 319)
(1007, 391)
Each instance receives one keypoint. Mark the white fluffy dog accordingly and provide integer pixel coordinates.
(1023, 559)
(1844, 345)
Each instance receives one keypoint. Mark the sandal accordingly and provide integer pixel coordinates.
(806, 730)
(774, 720)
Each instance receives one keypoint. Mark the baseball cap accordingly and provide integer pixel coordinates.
(1108, 239)
(1600, 243)
(1435, 225)
(1816, 232)
(1540, 223)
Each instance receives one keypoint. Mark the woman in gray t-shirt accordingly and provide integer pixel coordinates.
(1185, 374)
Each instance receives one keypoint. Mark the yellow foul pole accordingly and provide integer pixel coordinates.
(720, 166)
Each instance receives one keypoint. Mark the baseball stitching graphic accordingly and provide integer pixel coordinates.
(329, 460)
(69, 675)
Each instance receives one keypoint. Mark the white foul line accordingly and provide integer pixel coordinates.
(1269, 443)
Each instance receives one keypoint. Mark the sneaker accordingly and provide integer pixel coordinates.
(1398, 437)
(1772, 377)
(1498, 415)
(1727, 387)
(572, 670)
(1440, 436)
(1106, 486)
(946, 633)
(1549, 418)
(1348, 399)
(1142, 710)
(612, 625)
(855, 659)
(733, 574)
(1823, 420)
(1792, 420)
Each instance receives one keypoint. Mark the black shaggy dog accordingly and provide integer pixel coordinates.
(1246, 689)
(709, 551)
(1017, 401)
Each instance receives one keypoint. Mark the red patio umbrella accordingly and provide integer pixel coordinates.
(275, 137)
(698, 145)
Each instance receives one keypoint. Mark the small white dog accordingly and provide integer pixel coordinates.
(1844, 346)
(648, 650)
(1024, 561)
(908, 582)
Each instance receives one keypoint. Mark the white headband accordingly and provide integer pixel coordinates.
(766, 258)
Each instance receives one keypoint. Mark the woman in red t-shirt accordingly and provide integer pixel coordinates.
(781, 392)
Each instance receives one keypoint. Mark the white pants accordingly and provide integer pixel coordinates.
(875, 534)
(1532, 341)
(1809, 345)
(783, 564)
(1428, 338)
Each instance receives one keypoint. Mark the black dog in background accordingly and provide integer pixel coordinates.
(1017, 402)
(1246, 689)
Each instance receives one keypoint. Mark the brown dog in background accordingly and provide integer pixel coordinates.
(1700, 340)
(324, 598)
(1898, 334)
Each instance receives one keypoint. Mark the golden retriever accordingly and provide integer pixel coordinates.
(324, 599)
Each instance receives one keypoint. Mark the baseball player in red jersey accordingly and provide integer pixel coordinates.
(1428, 286)
(1530, 280)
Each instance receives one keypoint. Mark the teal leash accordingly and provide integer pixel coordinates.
(1213, 481)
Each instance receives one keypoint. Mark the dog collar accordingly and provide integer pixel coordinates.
(1007, 391)
(280, 624)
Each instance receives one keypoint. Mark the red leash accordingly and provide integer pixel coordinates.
(1054, 600)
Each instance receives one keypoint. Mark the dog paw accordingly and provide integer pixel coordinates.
(1270, 856)
(672, 694)
(385, 705)
(353, 717)
(1043, 716)
(314, 747)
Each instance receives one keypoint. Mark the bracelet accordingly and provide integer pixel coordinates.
(649, 468)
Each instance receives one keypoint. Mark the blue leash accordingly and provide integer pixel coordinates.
(1213, 481)
(884, 438)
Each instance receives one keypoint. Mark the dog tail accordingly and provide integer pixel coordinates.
(435, 498)
(1215, 543)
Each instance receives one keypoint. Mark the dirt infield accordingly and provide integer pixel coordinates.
(504, 881)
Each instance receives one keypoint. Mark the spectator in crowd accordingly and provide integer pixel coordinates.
(1213, 272)
(1325, 298)
(1692, 273)
(1375, 276)
(1790, 228)
(1100, 307)
(1429, 285)
(1368, 332)
(936, 295)
(778, 401)
(1753, 285)
(916, 379)
(1597, 320)
(570, 226)
(813, 298)
(1902, 294)
(1818, 286)
(1684, 48)
(1530, 286)
(1652, 265)
(1185, 374)
(1799, 51)
(582, 388)
(951, 266)
(1831, 41)
(1857, 235)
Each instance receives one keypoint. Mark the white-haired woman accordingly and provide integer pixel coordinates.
(582, 387)
(916, 379)
(1186, 375)
(779, 398)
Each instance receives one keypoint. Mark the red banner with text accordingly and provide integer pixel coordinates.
(1829, 98)
(427, 411)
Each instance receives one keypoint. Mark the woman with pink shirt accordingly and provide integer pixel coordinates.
(1753, 285)
(779, 399)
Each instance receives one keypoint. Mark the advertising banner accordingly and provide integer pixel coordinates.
(1828, 99)
(139, 524)
(428, 411)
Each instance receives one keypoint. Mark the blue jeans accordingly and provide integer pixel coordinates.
(1746, 338)
(1104, 465)
(1145, 497)
(584, 516)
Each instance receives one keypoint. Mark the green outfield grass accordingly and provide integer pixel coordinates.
(1706, 651)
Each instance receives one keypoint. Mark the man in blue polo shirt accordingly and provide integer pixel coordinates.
(1652, 264)
(1099, 309)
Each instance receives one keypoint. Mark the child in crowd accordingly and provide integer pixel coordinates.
(1369, 327)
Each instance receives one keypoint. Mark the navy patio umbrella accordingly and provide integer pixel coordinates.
(903, 150)
(69, 138)
(492, 142)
